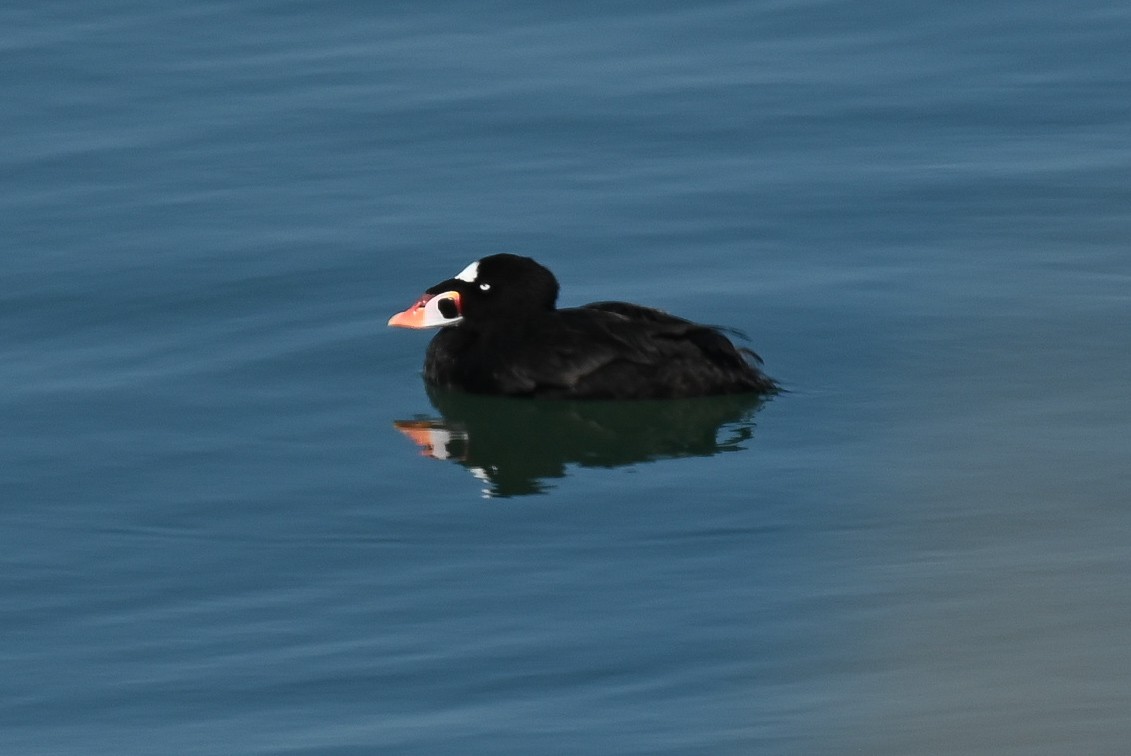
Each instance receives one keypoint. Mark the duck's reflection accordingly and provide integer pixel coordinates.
(516, 445)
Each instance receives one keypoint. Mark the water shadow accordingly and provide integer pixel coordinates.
(517, 445)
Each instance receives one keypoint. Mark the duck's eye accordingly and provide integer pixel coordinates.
(484, 287)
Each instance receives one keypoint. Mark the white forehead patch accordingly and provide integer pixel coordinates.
(470, 273)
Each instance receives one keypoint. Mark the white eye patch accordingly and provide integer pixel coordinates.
(484, 287)
(470, 273)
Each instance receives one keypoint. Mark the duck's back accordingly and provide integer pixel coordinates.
(604, 350)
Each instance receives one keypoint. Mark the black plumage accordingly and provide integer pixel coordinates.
(508, 338)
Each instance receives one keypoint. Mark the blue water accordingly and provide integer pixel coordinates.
(216, 537)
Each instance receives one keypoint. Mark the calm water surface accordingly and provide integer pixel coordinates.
(219, 531)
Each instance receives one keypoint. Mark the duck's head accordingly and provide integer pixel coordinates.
(499, 287)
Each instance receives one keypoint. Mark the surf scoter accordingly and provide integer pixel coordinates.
(501, 334)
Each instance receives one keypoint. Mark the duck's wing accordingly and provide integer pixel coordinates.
(561, 358)
(712, 340)
(622, 350)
